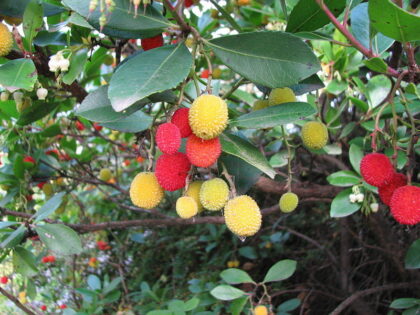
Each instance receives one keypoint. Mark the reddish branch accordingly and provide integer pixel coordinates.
(16, 301)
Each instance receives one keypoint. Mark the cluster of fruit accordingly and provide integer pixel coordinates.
(403, 200)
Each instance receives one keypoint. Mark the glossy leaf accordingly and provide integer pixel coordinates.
(281, 270)
(77, 64)
(244, 150)
(404, 303)
(16, 8)
(355, 155)
(392, 21)
(24, 262)
(341, 205)
(136, 122)
(18, 74)
(59, 238)
(14, 237)
(378, 89)
(376, 64)
(147, 73)
(247, 54)
(226, 292)
(49, 207)
(32, 21)
(235, 276)
(236, 307)
(308, 16)
(307, 85)
(412, 258)
(344, 178)
(38, 110)
(274, 115)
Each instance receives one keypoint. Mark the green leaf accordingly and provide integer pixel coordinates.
(274, 115)
(289, 305)
(247, 54)
(152, 71)
(122, 23)
(341, 205)
(5, 224)
(227, 16)
(136, 122)
(404, 303)
(37, 110)
(237, 305)
(308, 16)
(14, 237)
(376, 64)
(32, 21)
(248, 252)
(344, 178)
(244, 150)
(49, 207)
(355, 155)
(392, 21)
(163, 312)
(412, 258)
(18, 167)
(18, 74)
(191, 304)
(281, 270)
(226, 292)
(97, 107)
(77, 64)
(378, 89)
(59, 238)
(235, 276)
(24, 262)
(310, 84)
(94, 282)
(16, 8)
(361, 29)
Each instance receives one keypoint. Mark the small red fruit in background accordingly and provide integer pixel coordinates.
(168, 138)
(63, 306)
(97, 127)
(29, 197)
(41, 184)
(205, 73)
(152, 42)
(29, 159)
(405, 205)
(140, 159)
(203, 153)
(126, 163)
(385, 192)
(79, 125)
(48, 259)
(189, 3)
(53, 152)
(43, 307)
(180, 119)
(172, 170)
(122, 147)
(102, 245)
(4, 280)
(376, 169)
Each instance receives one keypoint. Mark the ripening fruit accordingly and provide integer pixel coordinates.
(260, 104)
(243, 216)
(97, 127)
(22, 297)
(43, 307)
(4, 280)
(203, 153)
(214, 194)
(314, 135)
(205, 74)
(186, 207)
(48, 189)
(168, 138)
(288, 202)
(405, 205)
(217, 73)
(376, 169)
(152, 42)
(208, 116)
(145, 191)
(243, 2)
(193, 191)
(280, 96)
(79, 125)
(105, 174)
(172, 171)
(6, 40)
(260, 310)
(385, 192)
(180, 119)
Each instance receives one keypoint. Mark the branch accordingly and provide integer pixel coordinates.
(343, 305)
(16, 301)
(180, 21)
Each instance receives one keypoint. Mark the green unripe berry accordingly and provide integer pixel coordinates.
(288, 202)
(105, 174)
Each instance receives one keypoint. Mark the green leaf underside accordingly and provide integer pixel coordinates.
(281, 270)
(136, 122)
(247, 54)
(226, 292)
(150, 72)
(24, 262)
(59, 238)
(244, 150)
(275, 115)
(19, 73)
(235, 276)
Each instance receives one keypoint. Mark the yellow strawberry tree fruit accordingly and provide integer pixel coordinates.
(314, 135)
(260, 310)
(186, 207)
(288, 202)
(214, 194)
(243, 216)
(280, 96)
(6, 40)
(208, 116)
(145, 191)
(193, 191)
(260, 104)
(105, 174)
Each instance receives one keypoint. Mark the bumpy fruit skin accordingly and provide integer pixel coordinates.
(105, 174)
(145, 191)
(172, 170)
(260, 104)
(180, 119)
(205, 74)
(193, 191)
(314, 135)
(168, 138)
(186, 207)
(152, 42)
(243, 216)
(214, 194)
(385, 192)
(288, 202)
(203, 153)
(6, 40)
(376, 169)
(208, 116)
(260, 310)
(405, 205)
(280, 96)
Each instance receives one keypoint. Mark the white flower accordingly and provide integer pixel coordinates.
(360, 197)
(4, 96)
(64, 64)
(352, 198)
(54, 62)
(374, 207)
(42, 93)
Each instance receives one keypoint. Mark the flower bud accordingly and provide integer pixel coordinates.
(42, 93)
